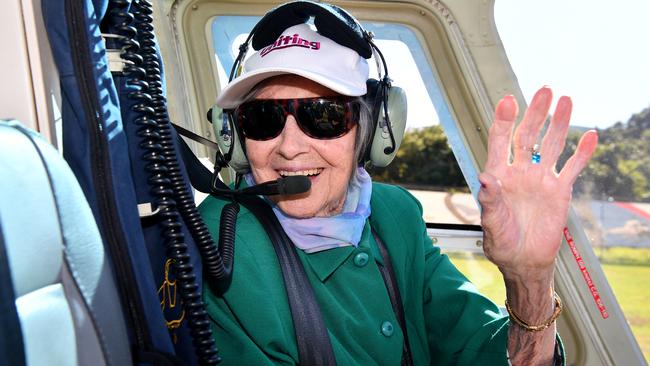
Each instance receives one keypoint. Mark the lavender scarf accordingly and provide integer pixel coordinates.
(321, 233)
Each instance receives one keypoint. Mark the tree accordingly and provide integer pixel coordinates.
(424, 158)
(620, 167)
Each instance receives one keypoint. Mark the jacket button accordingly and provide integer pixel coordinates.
(361, 259)
(387, 328)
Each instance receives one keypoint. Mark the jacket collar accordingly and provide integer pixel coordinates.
(324, 263)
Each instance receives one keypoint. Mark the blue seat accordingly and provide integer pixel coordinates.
(66, 300)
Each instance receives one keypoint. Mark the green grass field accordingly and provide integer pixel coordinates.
(627, 270)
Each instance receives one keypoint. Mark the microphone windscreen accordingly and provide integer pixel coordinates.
(294, 185)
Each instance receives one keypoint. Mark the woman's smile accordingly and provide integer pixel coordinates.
(312, 173)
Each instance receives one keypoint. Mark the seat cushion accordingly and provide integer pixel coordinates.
(63, 279)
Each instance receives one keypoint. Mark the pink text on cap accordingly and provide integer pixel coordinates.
(289, 41)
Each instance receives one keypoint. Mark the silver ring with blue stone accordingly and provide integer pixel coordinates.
(535, 157)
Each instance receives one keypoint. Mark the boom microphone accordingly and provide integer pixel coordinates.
(294, 185)
(288, 185)
(282, 186)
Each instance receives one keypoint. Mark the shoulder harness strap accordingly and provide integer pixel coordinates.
(314, 346)
(390, 281)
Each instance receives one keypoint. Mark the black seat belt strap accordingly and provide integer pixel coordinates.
(312, 338)
(199, 175)
(388, 274)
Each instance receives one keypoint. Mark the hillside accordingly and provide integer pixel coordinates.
(620, 168)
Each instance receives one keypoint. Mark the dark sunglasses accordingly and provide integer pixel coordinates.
(319, 118)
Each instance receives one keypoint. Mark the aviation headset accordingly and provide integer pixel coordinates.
(387, 103)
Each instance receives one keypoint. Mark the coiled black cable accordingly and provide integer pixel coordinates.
(174, 197)
(227, 227)
(217, 264)
(143, 72)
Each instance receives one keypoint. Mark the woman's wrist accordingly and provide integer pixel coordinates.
(531, 296)
(537, 327)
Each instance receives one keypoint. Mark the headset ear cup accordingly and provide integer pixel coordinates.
(397, 108)
(222, 130)
(238, 161)
(228, 140)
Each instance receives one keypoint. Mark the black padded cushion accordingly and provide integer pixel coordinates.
(330, 21)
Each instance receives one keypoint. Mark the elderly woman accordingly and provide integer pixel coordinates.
(524, 209)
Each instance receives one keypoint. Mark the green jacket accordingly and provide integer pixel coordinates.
(448, 321)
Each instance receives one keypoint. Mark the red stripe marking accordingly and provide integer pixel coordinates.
(634, 209)
(585, 274)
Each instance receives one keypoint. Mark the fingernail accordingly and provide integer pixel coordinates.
(507, 108)
(545, 91)
(482, 181)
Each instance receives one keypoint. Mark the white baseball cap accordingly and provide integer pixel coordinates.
(302, 51)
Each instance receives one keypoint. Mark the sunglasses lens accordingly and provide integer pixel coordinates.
(317, 117)
(260, 120)
(324, 119)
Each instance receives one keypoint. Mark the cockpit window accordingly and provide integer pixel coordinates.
(605, 74)
(433, 162)
(428, 160)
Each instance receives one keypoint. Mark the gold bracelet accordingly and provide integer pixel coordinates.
(540, 327)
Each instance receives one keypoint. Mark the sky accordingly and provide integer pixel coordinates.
(596, 51)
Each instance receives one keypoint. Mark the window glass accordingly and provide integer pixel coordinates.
(432, 161)
(600, 58)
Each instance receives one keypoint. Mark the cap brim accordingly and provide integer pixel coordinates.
(232, 95)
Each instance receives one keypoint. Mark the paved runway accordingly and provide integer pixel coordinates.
(622, 223)
(607, 223)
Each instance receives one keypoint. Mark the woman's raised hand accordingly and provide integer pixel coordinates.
(525, 202)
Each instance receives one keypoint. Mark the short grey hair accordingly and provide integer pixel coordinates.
(364, 132)
(364, 127)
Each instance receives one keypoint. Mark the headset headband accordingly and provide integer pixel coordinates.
(331, 21)
(339, 26)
